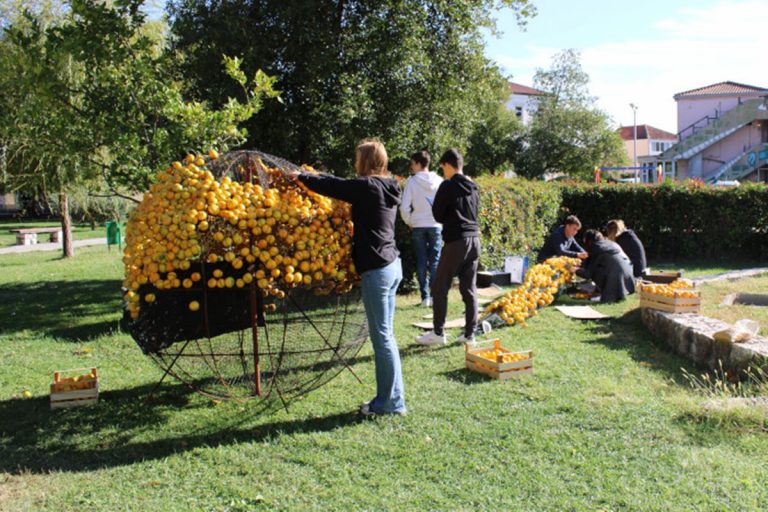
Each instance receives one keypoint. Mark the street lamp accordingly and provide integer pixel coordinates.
(634, 126)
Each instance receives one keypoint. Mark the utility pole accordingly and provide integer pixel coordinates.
(634, 138)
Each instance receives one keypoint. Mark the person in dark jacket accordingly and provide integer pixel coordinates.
(374, 196)
(455, 206)
(562, 241)
(617, 232)
(608, 267)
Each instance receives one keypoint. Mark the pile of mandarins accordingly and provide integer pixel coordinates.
(542, 283)
(192, 230)
(680, 288)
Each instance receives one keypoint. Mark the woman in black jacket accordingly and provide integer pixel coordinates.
(374, 196)
(617, 232)
(608, 267)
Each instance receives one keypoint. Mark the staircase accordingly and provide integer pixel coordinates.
(716, 129)
(742, 165)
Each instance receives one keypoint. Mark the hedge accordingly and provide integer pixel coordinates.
(674, 221)
(681, 221)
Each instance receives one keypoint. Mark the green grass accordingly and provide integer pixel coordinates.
(714, 292)
(606, 423)
(79, 231)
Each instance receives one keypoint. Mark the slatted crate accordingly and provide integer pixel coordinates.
(496, 367)
(75, 390)
(670, 304)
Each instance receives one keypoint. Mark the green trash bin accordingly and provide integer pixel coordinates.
(114, 234)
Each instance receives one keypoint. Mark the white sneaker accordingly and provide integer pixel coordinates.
(464, 339)
(486, 326)
(426, 303)
(430, 339)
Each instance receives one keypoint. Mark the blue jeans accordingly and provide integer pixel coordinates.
(426, 245)
(378, 290)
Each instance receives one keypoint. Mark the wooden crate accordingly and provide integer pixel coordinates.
(497, 369)
(670, 304)
(75, 390)
(661, 277)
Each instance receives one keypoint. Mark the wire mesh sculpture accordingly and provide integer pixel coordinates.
(254, 332)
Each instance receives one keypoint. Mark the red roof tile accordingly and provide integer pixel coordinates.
(645, 131)
(524, 90)
(722, 89)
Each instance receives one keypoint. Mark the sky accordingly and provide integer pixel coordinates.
(641, 52)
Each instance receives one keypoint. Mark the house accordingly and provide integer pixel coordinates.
(723, 134)
(651, 141)
(524, 101)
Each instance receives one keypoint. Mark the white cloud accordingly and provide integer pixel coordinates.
(689, 48)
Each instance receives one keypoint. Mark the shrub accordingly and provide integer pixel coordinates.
(674, 221)
(679, 221)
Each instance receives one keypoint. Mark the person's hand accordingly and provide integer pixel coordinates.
(294, 173)
(583, 255)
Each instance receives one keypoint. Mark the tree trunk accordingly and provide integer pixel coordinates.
(66, 225)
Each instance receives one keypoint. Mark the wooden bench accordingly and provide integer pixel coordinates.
(28, 236)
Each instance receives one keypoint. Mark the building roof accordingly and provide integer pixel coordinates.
(722, 89)
(645, 131)
(524, 90)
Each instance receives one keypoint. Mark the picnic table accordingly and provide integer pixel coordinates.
(28, 236)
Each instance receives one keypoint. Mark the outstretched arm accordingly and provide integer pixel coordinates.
(331, 186)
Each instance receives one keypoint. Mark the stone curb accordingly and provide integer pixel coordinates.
(692, 336)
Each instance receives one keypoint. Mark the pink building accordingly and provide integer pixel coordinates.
(723, 134)
(650, 141)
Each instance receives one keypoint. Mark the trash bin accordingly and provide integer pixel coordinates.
(114, 234)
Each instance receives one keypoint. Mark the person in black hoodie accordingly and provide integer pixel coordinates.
(456, 206)
(617, 232)
(608, 267)
(374, 196)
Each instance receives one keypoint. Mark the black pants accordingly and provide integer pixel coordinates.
(458, 257)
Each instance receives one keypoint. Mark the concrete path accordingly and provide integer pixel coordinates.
(16, 249)
(736, 274)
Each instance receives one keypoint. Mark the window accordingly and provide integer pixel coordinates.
(519, 112)
(660, 147)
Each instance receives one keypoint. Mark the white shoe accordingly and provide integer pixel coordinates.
(464, 339)
(426, 303)
(486, 326)
(431, 339)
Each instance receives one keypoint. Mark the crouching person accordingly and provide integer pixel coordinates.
(608, 267)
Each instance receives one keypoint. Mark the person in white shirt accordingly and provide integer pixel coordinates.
(416, 211)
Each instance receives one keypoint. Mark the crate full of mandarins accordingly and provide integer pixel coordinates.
(70, 388)
(679, 296)
(491, 359)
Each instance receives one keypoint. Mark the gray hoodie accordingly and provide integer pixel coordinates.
(419, 193)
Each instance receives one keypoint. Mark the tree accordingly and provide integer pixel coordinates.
(495, 143)
(93, 100)
(568, 134)
(412, 73)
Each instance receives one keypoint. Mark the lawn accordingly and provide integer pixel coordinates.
(79, 231)
(714, 292)
(607, 422)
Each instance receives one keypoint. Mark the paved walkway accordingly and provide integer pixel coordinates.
(736, 274)
(16, 249)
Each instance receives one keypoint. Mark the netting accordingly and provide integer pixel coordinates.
(253, 291)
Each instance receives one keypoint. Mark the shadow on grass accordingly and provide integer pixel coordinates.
(112, 433)
(628, 334)
(465, 376)
(56, 308)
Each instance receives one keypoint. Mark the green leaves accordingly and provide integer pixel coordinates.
(95, 101)
(569, 134)
(412, 73)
